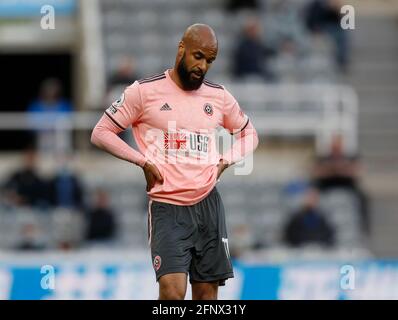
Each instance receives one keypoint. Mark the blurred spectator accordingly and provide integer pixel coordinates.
(235, 5)
(340, 170)
(286, 22)
(124, 75)
(308, 225)
(323, 16)
(287, 62)
(251, 55)
(31, 238)
(101, 224)
(336, 169)
(49, 108)
(50, 98)
(66, 188)
(25, 187)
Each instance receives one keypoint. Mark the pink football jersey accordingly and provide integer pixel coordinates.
(175, 129)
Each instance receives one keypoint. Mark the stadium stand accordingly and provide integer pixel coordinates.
(150, 30)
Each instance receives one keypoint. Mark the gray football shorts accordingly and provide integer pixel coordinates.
(190, 239)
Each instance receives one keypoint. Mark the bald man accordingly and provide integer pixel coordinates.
(174, 116)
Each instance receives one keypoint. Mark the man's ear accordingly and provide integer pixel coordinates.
(181, 50)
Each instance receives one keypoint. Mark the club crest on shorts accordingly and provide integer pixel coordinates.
(157, 261)
(208, 109)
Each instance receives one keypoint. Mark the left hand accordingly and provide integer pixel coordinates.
(222, 165)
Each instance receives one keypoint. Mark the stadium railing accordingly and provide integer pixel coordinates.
(316, 110)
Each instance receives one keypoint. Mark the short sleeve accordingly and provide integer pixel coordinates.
(235, 120)
(128, 108)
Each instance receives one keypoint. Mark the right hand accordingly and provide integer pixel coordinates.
(152, 174)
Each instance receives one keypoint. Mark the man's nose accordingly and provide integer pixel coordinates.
(203, 66)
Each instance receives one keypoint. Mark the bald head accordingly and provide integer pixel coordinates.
(196, 52)
(200, 35)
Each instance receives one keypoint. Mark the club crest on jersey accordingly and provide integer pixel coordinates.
(157, 261)
(208, 109)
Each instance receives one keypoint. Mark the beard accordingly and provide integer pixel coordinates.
(185, 76)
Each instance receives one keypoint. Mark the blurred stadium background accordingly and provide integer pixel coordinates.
(324, 101)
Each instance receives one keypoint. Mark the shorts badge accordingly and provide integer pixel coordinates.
(157, 263)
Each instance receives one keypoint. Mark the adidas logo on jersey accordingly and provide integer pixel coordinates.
(165, 107)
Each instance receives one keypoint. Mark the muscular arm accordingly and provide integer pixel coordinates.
(105, 137)
(245, 143)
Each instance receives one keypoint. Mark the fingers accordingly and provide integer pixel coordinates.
(152, 174)
(150, 181)
(220, 169)
(157, 175)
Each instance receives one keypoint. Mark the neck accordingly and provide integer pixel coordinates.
(176, 78)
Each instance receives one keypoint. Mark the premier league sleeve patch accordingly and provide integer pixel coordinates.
(117, 104)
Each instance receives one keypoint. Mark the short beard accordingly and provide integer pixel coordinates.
(188, 83)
